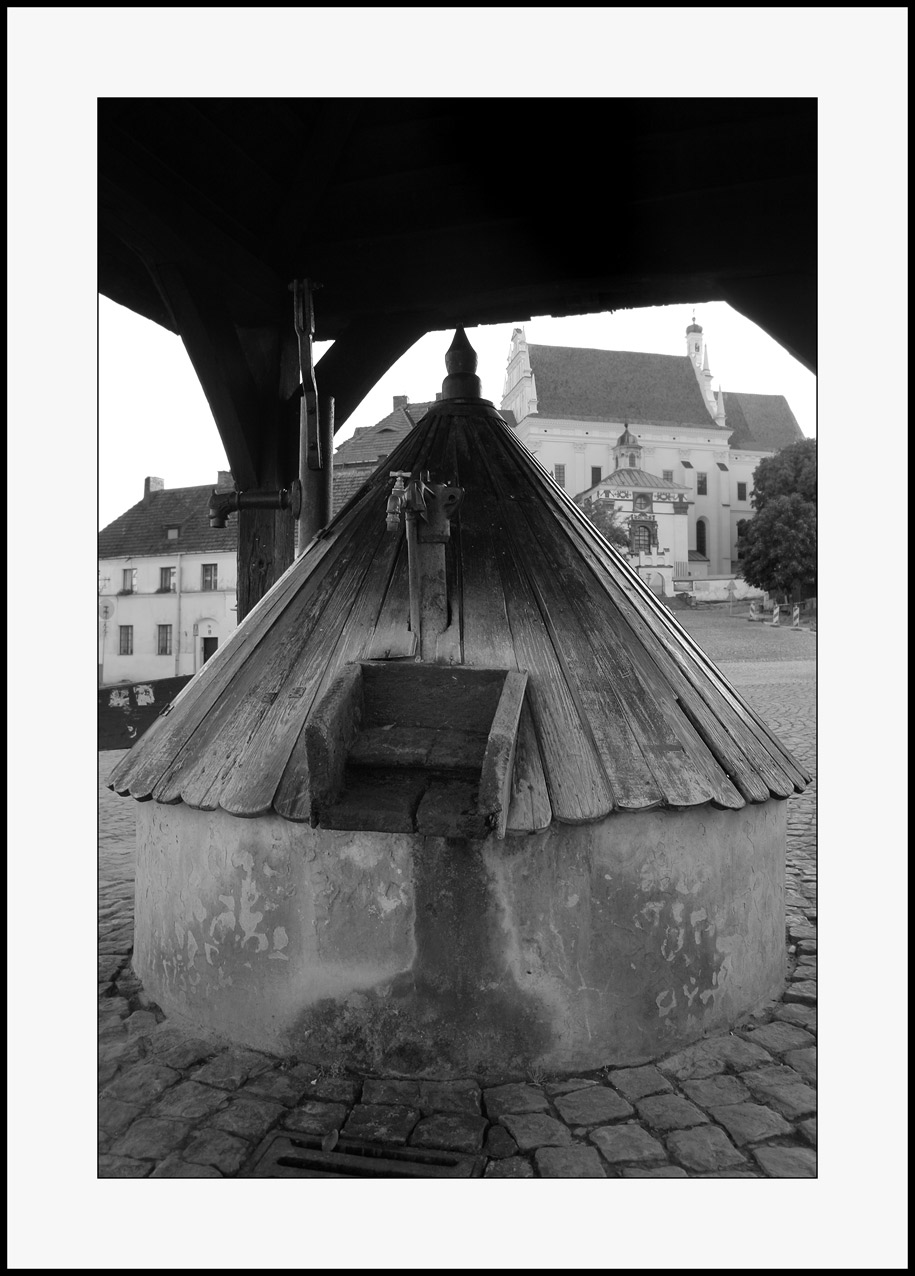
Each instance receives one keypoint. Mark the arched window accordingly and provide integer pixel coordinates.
(632, 460)
(700, 537)
(642, 540)
(617, 466)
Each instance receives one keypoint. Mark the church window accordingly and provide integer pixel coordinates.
(667, 475)
(741, 491)
(641, 540)
(701, 537)
(632, 460)
(642, 501)
(701, 483)
(595, 475)
(559, 474)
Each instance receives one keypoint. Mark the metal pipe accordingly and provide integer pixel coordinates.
(317, 484)
(414, 574)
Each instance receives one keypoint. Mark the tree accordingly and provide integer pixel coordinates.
(609, 522)
(778, 546)
(793, 470)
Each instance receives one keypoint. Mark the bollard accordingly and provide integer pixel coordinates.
(754, 614)
(775, 615)
(796, 617)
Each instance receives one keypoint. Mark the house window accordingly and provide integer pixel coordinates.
(559, 474)
(741, 491)
(667, 475)
(700, 538)
(166, 580)
(130, 581)
(595, 475)
(641, 540)
(125, 640)
(208, 576)
(701, 483)
(173, 533)
(164, 643)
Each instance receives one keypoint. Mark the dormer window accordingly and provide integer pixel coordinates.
(172, 533)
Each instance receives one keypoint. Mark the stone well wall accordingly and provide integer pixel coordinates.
(606, 943)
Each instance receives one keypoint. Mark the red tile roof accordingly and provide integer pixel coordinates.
(761, 422)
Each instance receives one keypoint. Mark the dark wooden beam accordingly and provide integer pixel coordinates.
(784, 306)
(361, 355)
(332, 129)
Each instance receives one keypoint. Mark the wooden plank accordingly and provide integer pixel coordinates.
(221, 742)
(143, 767)
(422, 695)
(579, 790)
(683, 771)
(332, 727)
(499, 760)
(529, 810)
(393, 638)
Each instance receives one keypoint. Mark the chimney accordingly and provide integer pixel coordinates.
(152, 485)
(401, 401)
(438, 395)
(224, 480)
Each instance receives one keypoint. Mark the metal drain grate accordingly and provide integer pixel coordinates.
(300, 1156)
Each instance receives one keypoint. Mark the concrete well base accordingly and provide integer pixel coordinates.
(605, 943)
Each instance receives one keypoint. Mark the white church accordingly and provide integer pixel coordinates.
(645, 435)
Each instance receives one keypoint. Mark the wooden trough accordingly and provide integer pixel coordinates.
(556, 837)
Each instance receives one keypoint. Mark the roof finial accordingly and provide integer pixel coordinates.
(461, 365)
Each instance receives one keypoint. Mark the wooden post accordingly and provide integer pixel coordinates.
(317, 485)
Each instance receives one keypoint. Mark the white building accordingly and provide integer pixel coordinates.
(167, 585)
(574, 408)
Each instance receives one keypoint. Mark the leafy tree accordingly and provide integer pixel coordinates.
(609, 522)
(793, 470)
(779, 553)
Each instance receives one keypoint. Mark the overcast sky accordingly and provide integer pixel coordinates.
(145, 374)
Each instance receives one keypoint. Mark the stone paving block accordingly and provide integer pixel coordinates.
(453, 1131)
(779, 1036)
(122, 1167)
(120, 1050)
(449, 1096)
(226, 1152)
(717, 1091)
(706, 1058)
(141, 1023)
(285, 1087)
(729, 1174)
(374, 1121)
(569, 1163)
(104, 1141)
(533, 1130)
(796, 1013)
(636, 1083)
(809, 1130)
(396, 1093)
(806, 962)
(807, 946)
(517, 1098)
(231, 1068)
(787, 1163)
(567, 1086)
(805, 992)
(669, 1112)
(110, 1007)
(151, 1138)
(174, 1168)
(333, 1089)
(190, 1101)
(593, 1106)
(248, 1118)
(750, 1122)
(107, 1072)
(315, 1118)
(622, 1144)
(799, 932)
(655, 1172)
(114, 1116)
(141, 1083)
(514, 1168)
(164, 1037)
(499, 1143)
(704, 1148)
(186, 1053)
(801, 973)
(804, 1062)
(783, 1089)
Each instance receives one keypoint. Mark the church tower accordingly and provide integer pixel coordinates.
(697, 353)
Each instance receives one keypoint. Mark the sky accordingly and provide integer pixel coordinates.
(853, 60)
(145, 373)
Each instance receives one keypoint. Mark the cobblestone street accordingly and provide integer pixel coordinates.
(739, 1105)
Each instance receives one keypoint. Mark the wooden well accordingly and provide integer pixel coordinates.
(557, 837)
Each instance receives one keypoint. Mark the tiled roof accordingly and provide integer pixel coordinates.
(617, 385)
(641, 478)
(372, 442)
(143, 530)
(761, 422)
(696, 557)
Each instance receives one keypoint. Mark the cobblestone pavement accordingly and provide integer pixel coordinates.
(738, 1105)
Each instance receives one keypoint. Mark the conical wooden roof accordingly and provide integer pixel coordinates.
(624, 712)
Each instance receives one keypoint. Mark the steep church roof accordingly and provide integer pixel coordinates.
(143, 529)
(622, 711)
(761, 422)
(601, 385)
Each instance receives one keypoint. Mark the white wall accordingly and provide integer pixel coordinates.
(193, 613)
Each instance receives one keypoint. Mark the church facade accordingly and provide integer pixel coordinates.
(646, 436)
